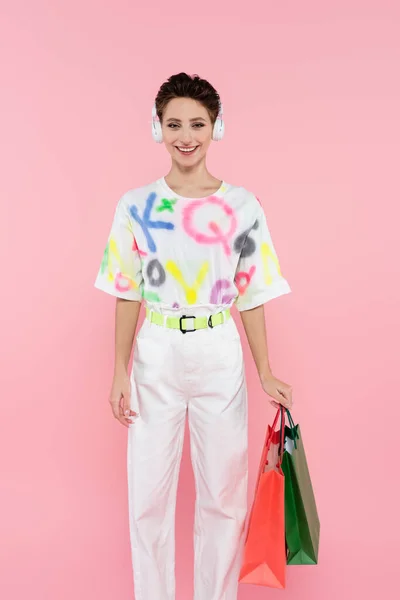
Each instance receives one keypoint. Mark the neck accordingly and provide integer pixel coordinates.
(188, 176)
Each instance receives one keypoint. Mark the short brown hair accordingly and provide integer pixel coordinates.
(183, 85)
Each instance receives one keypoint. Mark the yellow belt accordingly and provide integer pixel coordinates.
(181, 322)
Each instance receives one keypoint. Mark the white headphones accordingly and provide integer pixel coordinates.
(218, 130)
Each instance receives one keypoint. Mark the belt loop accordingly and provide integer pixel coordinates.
(151, 315)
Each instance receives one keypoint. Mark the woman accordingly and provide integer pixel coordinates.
(191, 246)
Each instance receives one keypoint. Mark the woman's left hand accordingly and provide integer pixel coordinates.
(278, 390)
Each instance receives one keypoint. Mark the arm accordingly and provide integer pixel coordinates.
(259, 279)
(126, 317)
(120, 275)
(254, 325)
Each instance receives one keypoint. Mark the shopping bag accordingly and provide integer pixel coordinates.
(264, 559)
(302, 526)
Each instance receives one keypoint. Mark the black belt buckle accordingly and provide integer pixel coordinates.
(180, 323)
(210, 322)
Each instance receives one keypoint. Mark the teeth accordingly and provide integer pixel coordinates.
(187, 149)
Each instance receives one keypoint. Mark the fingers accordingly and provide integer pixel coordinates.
(286, 403)
(121, 407)
(126, 410)
(283, 398)
(115, 407)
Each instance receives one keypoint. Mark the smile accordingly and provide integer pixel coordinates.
(187, 151)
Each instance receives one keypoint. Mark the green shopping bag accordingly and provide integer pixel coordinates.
(302, 526)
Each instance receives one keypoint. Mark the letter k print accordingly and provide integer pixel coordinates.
(146, 223)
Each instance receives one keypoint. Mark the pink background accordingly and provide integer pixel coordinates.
(311, 93)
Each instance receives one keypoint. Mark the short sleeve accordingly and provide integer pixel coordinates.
(258, 276)
(120, 272)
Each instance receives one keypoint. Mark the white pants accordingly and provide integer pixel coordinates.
(199, 374)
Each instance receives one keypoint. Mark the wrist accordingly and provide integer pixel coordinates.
(265, 373)
(120, 369)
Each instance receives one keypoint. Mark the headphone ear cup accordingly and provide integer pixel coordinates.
(219, 125)
(219, 130)
(156, 129)
(157, 132)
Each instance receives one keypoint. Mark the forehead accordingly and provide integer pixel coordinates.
(184, 109)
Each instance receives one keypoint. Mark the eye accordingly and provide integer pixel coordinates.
(172, 125)
(198, 125)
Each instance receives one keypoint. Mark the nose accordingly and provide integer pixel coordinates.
(186, 135)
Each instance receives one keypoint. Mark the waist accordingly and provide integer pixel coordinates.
(195, 310)
(188, 322)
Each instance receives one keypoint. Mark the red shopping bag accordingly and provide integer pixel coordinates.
(264, 560)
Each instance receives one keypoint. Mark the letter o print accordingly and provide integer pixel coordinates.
(155, 273)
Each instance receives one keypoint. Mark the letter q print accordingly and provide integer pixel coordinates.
(217, 235)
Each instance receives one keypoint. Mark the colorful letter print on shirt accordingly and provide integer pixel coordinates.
(175, 251)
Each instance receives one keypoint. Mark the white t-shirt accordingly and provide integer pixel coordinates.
(176, 252)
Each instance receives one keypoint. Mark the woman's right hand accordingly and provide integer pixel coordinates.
(120, 398)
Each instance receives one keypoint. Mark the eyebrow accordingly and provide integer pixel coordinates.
(179, 121)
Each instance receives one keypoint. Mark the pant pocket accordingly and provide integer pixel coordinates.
(151, 355)
(222, 352)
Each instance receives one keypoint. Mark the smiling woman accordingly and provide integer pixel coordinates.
(186, 136)
(196, 122)
(192, 246)
(187, 117)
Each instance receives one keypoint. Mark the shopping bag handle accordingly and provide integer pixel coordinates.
(292, 426)
(274, 425)
(281, 411)
(282, 436)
